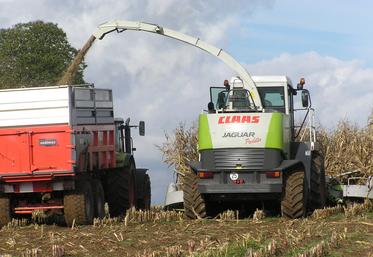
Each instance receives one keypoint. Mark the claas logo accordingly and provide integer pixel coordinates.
(238, 119)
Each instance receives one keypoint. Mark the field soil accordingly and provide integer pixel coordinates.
(353, 236)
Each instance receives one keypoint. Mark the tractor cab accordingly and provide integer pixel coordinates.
(123, 138)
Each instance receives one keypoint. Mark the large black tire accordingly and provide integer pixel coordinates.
(120, 190)
(5, 211)
(78, 205)
(98, 199)
(194, 204)
(144, 202)
(318, 189)
(293, 202)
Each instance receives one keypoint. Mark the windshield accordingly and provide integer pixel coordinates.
(272, 97)
(237, 98)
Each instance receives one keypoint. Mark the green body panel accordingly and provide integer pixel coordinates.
(204, 135)
(243, 130)
(275, 132)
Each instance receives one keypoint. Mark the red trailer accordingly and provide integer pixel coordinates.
(63, 152)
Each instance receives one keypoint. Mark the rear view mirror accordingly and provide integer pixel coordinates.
(142, 128)
(305, 97)
(211, 107)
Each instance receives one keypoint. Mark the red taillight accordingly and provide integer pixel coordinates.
(205, 174)
(273, 174)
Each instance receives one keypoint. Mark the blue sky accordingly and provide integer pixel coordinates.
(165, 82)
(335, 28)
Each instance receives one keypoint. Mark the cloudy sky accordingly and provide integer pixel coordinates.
(164, 82)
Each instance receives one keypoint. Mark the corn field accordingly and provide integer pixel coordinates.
(345, 148)
(348, 148)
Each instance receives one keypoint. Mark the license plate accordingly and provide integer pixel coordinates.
(235, 178)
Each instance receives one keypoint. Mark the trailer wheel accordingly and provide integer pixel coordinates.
(293, 202)
(144, 203)
(78, 205)
(318, 190)
(120, 190)
(5, 211)
(194, 204)
(98, 199)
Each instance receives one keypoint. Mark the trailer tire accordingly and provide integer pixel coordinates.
(194, 204)
(5, 211)
(78, 205)
(293, 202)
(144, 203)
(120, 190)
(98, 199)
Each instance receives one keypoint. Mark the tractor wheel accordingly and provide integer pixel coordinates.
(144, 203)
(98, 199)
(293, 202)
(318, 190)
(78, 205)
(194, 204)
(5, 211)
(120, 190)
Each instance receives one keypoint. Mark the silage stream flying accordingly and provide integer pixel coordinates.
(69, 75)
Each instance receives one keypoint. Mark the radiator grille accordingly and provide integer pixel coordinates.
(252, 159)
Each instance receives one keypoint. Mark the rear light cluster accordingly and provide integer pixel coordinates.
(273, 174)
(205, 174)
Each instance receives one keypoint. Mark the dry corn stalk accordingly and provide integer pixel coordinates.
(326, 212)
(358, 209)
(228, 215)
(180, 148)
(322, 248)
(348, 148)
(258, 215)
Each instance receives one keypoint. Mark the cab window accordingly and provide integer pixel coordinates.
(118, 137)
(240, 99)
(218, 96)
(272, 98)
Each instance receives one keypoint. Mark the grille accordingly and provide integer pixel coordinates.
(252, 159)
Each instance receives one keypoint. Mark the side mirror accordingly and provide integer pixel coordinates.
(305, 97)
(142, 128)
(211, 107)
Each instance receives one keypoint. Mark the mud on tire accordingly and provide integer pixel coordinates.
(78, 205)
(293, 202)
(194, 204)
